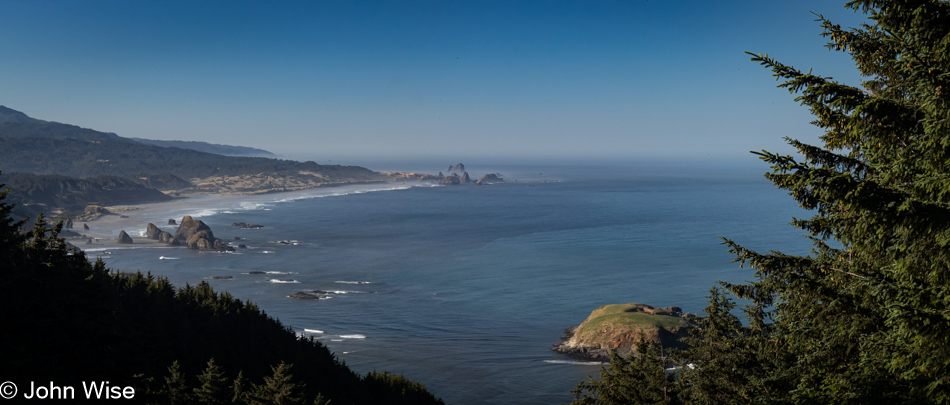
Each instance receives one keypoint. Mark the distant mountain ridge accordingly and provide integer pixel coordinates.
(226, 150)
(10, 115)
(16, 124)
(29, 145)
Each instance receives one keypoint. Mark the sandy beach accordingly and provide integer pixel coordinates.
(134, 219)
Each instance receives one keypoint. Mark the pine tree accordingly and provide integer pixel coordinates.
(321, 400)
(641, 378)
(214, 386)
(279, 388)
(10, 236)
(239, 392)
(176, 386)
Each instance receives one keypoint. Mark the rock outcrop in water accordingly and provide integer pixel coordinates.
(152, 232)
(452, 180)
(459, 168)
(166, 237)
(490, 178)
(195, 234)
(620, 326)
(124, 238)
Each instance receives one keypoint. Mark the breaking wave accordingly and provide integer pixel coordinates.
(576, 362)
(283, 281)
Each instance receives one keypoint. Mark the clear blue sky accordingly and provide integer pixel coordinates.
(330, 79)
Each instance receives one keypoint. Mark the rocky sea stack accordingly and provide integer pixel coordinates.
(195, 234)
(490, 178)
(620, 326)
(124, 238)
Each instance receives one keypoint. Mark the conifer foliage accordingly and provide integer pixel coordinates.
(865, 318)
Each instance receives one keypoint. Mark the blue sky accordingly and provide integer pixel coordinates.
(336, 79)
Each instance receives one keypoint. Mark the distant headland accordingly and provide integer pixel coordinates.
(61, 169)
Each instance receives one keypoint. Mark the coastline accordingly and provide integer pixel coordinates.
(133, 219)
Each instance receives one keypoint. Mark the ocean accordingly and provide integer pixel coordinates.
(466, 288)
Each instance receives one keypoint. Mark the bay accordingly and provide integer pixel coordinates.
(466, 288)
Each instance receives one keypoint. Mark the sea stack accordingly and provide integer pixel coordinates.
(124, 238)
(152, 232)
(197, 235)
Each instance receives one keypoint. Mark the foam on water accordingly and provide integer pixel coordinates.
(576, 362)
(250, 206)
(278, 281)
(167, 258)
(353, 336)
(315, 331)
(205, 213)
(353, 282)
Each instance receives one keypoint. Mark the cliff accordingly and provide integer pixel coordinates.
(620, 326)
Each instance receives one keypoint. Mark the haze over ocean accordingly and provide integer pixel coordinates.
(465, 289)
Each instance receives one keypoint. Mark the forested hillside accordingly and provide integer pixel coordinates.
(70, 321)
(35, 193)
(69, 191)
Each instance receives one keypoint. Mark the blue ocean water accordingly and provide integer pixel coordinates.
(466, 288)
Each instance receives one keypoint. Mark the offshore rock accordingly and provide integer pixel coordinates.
(152, 232)
(124, 238)
(490, 178)
(459, 168)
(619, 327)
(245, 225)
(300, 295)
(167, 237)
(465, 179)
(195, 234)
(189, 227)
(452, 180)
(172, 222)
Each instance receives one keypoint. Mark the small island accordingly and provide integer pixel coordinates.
(619, 327)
